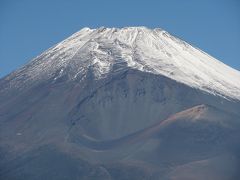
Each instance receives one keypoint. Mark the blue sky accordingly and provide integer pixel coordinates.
(28, 27)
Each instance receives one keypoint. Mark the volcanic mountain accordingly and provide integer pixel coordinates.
(129, 103)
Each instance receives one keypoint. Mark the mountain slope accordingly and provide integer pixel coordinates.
(203, 136)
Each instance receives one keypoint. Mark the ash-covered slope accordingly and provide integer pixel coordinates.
(104, 103)
(200, 142)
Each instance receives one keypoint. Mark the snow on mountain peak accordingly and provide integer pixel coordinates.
(110, 50)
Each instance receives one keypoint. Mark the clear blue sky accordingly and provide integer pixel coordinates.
(28, 27)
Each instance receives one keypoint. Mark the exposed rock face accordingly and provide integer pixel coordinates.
(129, 103)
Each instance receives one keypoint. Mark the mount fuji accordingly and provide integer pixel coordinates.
(121, 103)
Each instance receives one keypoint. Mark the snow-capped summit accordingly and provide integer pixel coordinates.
(110, 50)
